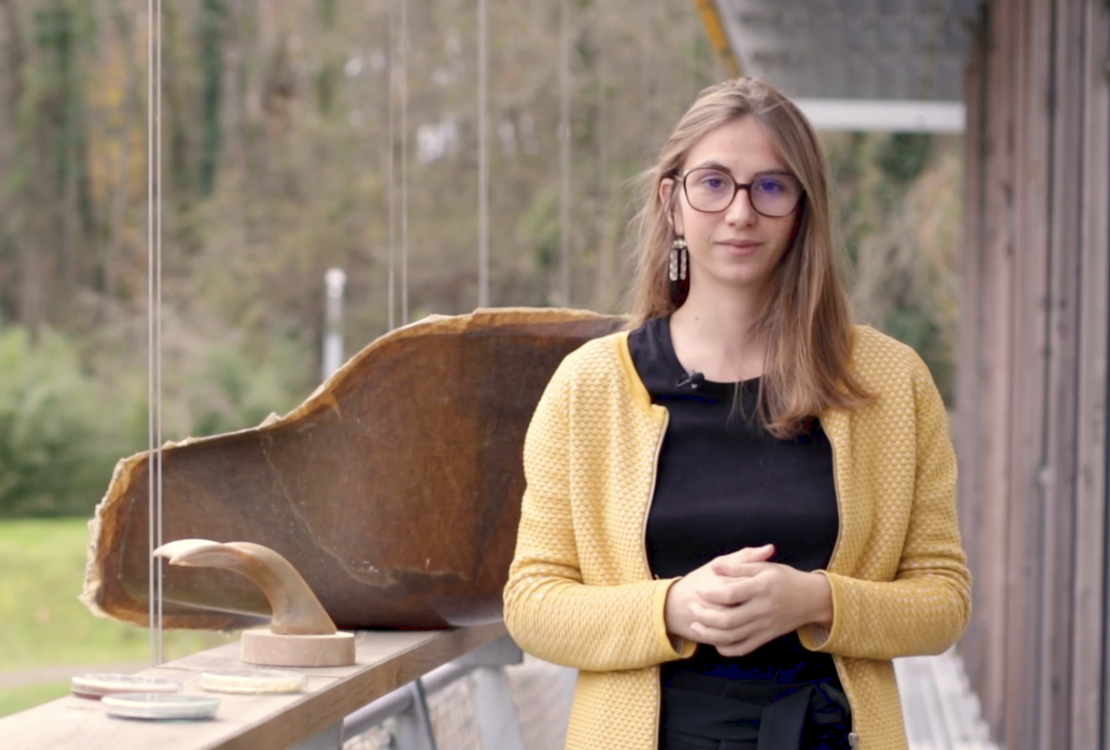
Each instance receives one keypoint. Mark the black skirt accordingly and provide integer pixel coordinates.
(700, 712)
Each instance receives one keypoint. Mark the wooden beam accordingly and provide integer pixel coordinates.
(968, 411)
(1060, 474)
(1031, 63)
(386, 660)
(715, 30)
(996, 371)
(1088, 618)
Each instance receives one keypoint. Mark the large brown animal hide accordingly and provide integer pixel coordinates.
(394, 489)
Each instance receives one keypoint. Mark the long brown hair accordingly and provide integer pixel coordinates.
(807, 323)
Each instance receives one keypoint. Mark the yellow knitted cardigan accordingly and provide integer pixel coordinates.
(580, 592)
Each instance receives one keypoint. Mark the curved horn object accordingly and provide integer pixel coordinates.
(296, 610)
(341, 484)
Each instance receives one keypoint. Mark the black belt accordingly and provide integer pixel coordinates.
(751, 714)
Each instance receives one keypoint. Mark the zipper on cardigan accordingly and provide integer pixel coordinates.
(853, 736)
(647, 563)
(651, 490)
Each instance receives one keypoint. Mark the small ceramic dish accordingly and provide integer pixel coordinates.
(160, 706)
(253, 681)
(98, 685)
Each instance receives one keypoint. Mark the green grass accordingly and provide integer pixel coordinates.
(17, 699)
(42, 570)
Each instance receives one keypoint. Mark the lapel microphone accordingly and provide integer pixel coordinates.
(692, 379)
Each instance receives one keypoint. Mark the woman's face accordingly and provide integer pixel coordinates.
(734, 247)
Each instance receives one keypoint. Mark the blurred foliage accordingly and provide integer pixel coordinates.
(62, 431)
(279, 163)
(58, 441)
(230, 392)
(903, 156)
(900, 211)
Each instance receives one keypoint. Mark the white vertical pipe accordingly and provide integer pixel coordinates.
(335, 279)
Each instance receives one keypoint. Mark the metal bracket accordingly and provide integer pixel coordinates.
(414, 725)
(329, 739)
(500, 653)
(494, 712)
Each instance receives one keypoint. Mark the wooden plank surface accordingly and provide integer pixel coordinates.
(1031, 80)
(1088, 619)
(968, 411)
(996, 384)
(1060, 478)
(1038, 648)
(386, 660)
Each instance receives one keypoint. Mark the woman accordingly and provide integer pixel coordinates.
(740, 511)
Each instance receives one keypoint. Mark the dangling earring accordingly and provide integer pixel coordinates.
(676, 269)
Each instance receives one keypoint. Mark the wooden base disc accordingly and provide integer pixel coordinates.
(272, 650)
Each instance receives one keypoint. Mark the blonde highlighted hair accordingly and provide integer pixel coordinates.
(807, 323)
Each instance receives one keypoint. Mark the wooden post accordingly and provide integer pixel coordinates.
(1035, 323)
(1064, 272)
(996, 369)
(1089, 615)
(968, 399)
(1031, 64)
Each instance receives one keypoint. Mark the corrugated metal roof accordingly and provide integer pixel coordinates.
(853, 49)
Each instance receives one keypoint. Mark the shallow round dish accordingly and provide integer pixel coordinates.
(97, 685)
(160, 706)
(252, 681)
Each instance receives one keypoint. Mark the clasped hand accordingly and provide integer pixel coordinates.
(740, 601)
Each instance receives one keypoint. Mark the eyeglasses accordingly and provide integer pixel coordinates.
(772, 194)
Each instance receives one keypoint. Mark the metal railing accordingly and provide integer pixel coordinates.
(941, 710)
(495, 716)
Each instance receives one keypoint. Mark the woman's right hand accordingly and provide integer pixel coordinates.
(683, 592)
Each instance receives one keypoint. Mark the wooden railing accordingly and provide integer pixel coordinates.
(393, 671)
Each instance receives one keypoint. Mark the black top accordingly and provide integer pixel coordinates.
(724, 483)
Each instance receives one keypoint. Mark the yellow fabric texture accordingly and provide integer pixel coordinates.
(580, 592)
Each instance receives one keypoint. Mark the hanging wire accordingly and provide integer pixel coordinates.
(404, 163)
(390, 164)
(564, 152)
(483, 159)
(602, 293)
(154, 324)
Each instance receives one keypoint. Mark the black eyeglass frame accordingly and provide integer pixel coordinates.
(737, 187)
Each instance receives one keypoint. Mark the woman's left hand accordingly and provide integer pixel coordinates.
(754, 603)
